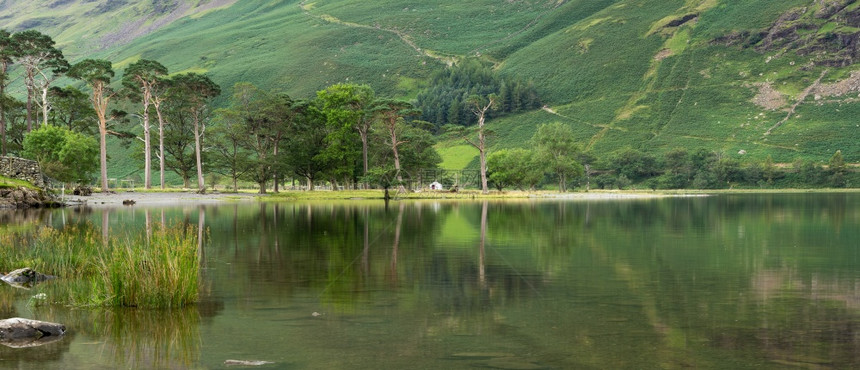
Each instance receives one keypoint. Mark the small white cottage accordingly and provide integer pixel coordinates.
(435, 185)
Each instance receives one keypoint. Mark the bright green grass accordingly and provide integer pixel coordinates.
(456, 157)
(7, 182)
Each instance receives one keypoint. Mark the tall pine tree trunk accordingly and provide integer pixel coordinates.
(201, 186)
(160, 142)
(147, 150)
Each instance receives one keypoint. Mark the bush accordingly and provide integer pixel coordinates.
(63, 154)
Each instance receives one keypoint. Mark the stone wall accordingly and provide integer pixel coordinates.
(22, 169)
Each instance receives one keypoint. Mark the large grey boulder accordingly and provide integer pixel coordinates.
(18, 332)
(25, 278)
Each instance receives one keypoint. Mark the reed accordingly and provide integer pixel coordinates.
(157, 269)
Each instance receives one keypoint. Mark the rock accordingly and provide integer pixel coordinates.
(83, 190)
(17, 332)
(25, 278)
(22, 197)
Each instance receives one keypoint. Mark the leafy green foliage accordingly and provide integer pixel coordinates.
(520, 168)
(72, 109)
(63, 154)
(557, 149)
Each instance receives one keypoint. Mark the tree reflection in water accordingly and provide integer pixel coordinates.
(730, 281)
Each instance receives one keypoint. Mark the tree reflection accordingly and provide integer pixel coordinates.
(698, 282)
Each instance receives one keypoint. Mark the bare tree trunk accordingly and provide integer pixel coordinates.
(31, 90)
(100, 104)
(2, 129)
(3, 69)
(45, 105)
(480, 111)
(201, 186)
(160, 141)
(275, 178)
(103, 154)
(30, 109)
(363, 134)
(147, 150)
(262, 185)
(483, 153)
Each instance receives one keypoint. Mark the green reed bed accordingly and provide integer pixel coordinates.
(158, 268)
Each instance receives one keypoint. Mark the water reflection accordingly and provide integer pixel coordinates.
(729, 281)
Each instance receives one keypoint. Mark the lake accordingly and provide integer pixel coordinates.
(726, 281)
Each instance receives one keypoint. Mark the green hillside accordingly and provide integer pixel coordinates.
(755, 77)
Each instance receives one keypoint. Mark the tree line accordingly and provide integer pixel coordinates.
(554, 155)
(345, 135)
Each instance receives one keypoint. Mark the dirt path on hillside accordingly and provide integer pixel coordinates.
(800, 99)
(448, 60)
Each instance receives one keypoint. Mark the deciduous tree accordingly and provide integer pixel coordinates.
(515, 167)
(556, 147)
(198, 90)
(480, 106)
(349, 105)
(391, 114)
(146, 79)
(72, 109)
(43, 64)
(63, 154)
(97, 73)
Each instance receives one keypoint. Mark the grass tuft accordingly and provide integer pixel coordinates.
(157, 270)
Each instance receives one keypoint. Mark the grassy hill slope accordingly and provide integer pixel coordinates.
(762, 77)
(633, 78)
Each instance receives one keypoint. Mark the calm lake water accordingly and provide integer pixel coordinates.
(729, 281)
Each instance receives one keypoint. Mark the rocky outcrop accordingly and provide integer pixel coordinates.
(22, 197)
(17, 332)
(25, 277)
(828, 33)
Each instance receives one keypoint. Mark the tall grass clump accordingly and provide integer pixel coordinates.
(155, 269)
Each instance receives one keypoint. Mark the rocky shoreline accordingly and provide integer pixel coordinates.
(119, 199)
(24, 198)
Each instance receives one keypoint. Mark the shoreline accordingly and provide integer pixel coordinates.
(157, 198)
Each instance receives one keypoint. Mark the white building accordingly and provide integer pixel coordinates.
(435, 185)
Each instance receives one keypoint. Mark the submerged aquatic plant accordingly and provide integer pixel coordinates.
(157, 269)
